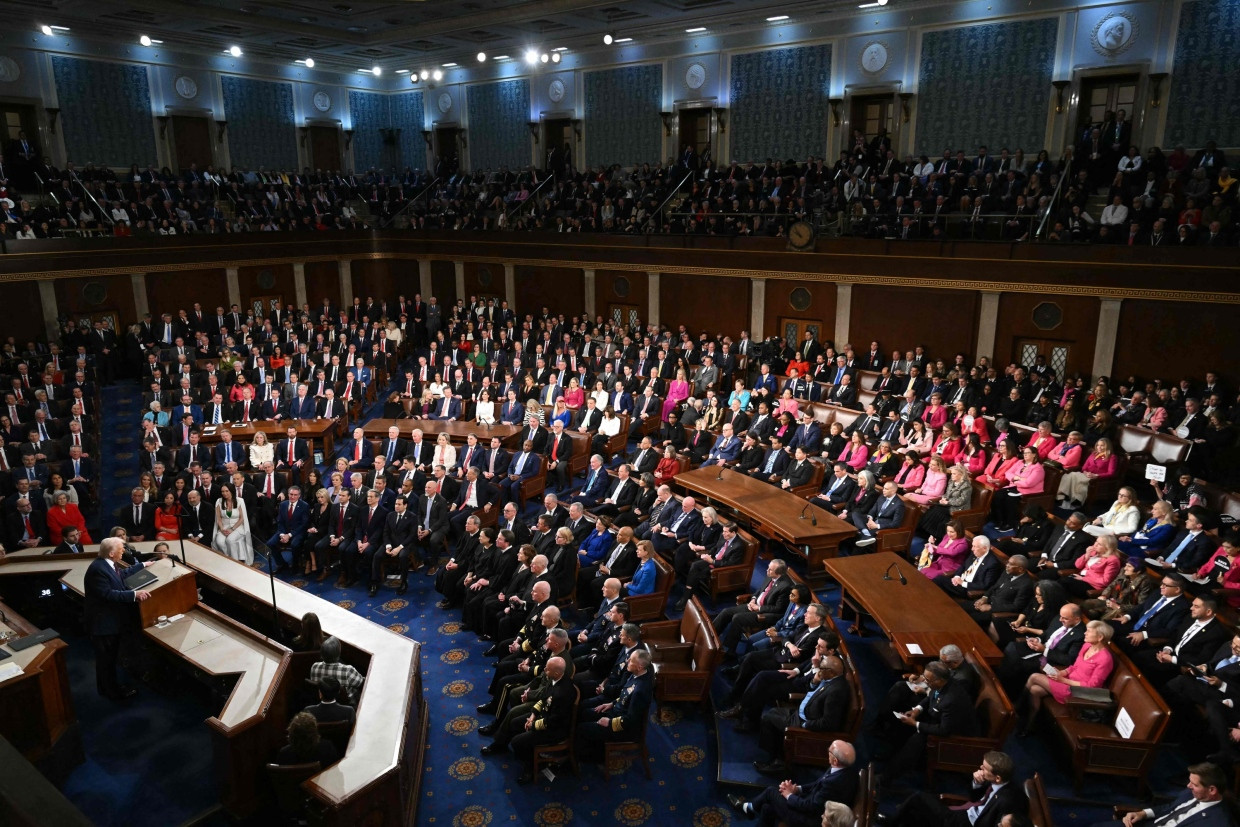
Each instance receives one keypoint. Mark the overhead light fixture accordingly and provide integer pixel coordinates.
(560, 49)
(376, 71)
(144, 40)
(555, 57)
(450, 65)
(777, 18)
(695, 30)
(609, 38)
(531, 56)
(544, 57)
(402, 71)
(309, 63)
(482, 57)
(437, 75)
(624, 40)
(872, 5)
(501, 57)
(235, 51)
(424, 74)
(47, 30)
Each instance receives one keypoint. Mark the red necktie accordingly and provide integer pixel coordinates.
(29, 530)
(290, 452)
(357, 452)
(554, 448)
(765, 592)
(245, 413)
(290, 511)
(270, 487)
(340, 522)
(469, 494)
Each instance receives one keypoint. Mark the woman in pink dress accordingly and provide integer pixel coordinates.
(856, 453)
(677, 392)
(911, 474)
(934, 484)
(946, 556)
(935, 415)
(1092, 668)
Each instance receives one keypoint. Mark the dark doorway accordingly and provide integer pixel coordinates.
(556, 134)
(324, 147)
(191, 142)
(1108, 93)
(694, 126)
(16, 118)
(445, 150)
(870, 113)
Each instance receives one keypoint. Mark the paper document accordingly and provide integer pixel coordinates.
(913, 648)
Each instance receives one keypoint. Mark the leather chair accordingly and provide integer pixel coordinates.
(994, 712)
(563, 750)
(685, 653)
(726, 579)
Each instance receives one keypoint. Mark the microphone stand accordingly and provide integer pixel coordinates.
(900, 574)
(813, 518)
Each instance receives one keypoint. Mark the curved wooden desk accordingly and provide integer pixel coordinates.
(377, 780)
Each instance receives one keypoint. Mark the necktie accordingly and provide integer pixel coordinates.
(469, 496)
(271, 488)
(290, 511)
(1189, 633)
(29, 530)
(1188, 538)
(137, 516)
(1225, 662)
(340, 522)
(808, 698)
(1153, 610)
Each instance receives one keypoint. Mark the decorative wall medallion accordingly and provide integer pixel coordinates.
(874, 57)
(445, 102)
(94, 293)
(484, 276)
(621, 287)
(1047, 316)
(800, 299)
(187, 87)
(266, 279)
(555, 90)
(9, 70)
(1114, 34)
(695, 76)
(322, 101)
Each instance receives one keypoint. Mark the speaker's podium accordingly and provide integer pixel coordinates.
(174, 591)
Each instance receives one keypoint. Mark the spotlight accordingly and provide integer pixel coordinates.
(531, 57)
(555, 57)
(609, 38)
(376, 71)
(145, 40)
(482, 57)
(235, 51)
(47, 30)
(309, 63)
(424, 74)
(437, 75)
(545, 57)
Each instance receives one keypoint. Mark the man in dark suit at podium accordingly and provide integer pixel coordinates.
(108, 616)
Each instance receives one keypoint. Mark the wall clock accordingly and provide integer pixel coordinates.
(445, 102)
(9, 70)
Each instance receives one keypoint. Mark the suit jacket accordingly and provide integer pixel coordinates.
(828, 709)
(843, 493)
(348, 451)
(776, 600)
(1198, 649)
(948, 712)
(1066, 648)
(294, 524)
(439, 513)
(106, 611)
(887, 514)
(781, 463)
(988, 572)
(807, 436)
(301, 451)
(1071, 550)
(833, 785)
(238, 454)
(201, 523)
(38, 526)
(798, 473)
(145, 527)
(1194, 555)
(1009, 798)
(1216, 816)
(330, 713)
(1011, 593)
(1164, 623)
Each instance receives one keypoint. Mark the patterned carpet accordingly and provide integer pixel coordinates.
(465, 789)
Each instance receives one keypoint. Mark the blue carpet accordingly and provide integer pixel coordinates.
(462, 788)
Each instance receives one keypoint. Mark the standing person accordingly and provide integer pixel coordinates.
(232, 527)
(108, 618)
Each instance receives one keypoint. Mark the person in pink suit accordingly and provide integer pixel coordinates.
(1091, 669)
(934, 484)
(947, 556)
(677, 392)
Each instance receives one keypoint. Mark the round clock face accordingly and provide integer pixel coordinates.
(322, 101)
(445, 102)
(874, 57)
(186, 87)
(695, 76)
(555, 90)
(9, 70)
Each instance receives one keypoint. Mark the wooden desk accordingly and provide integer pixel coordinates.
(774, 513)
(456, 430)
(309, 429)
(919, 613)
(378, 779)
(36, 707)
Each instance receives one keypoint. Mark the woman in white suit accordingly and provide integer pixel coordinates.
(232, 527)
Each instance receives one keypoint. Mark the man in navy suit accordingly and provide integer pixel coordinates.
(475, 494)
(399, 538)
(886, 512)
(678, 527)
(726, 448)
(228, 451)
(1191, 546)
(292, 452)
(774, 463)
(369, 541)
(358, 451)
(494, 462)
(107, 616)
(597, 483)
(807, 434)
(1153, 622)
(292, 520)
(447, 409)
(1201, 805)
(536, 435)
(798, 805)
(302, 406)
(976, 573)
(523, 466)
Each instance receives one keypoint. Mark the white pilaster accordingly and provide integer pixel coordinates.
(588, 276)
(987, 326)
(843, 314)
(510, 285)
(1108, 331)
(47, 296)
(757, 309)
(299, 283)
(460, 279)
(652, 312)
(345, 268)
(140, 304)
(424, 278)
(234, 286)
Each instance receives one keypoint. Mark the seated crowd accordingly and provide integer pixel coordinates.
(1062, 579)
(1153, 199)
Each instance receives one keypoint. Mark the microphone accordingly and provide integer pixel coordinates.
(719, 476)
(813, 518)
(900, 574)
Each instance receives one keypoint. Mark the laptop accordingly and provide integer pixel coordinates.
(140, 579)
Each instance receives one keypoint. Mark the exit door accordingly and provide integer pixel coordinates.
(324, 148)
(557, 143)
(191, 142)
(445, 150)
(694, 128)
(1100, 95)
(870, 113)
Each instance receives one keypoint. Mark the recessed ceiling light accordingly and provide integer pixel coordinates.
(695, 30)
(309, 63)
(437, 75)
(235, 51)
(377, 71)
(482, 57)
(555, 57)
(449, 65)
(777, 18)
(872, 5)
(544, 57)
(608, 38)
(624, 40)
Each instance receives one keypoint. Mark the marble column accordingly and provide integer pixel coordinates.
(510, 285)
(345, 268)
(234, 287)
(141, 305)
(987, 326)
(299, 283)
(588, 277)
(460, 279)
(843, 314)
(424, 278)
(652, 312)
(1108, 332)
(47, 297)
(757, 309)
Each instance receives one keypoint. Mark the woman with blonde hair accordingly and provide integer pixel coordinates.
(261, 450)
(1091, 669)
(1121, 518)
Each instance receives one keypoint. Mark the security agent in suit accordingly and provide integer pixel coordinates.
(432, 528)
(825, 708)
(107, 616)
(621, 719)
(886, 512)
(995, 795)
(976, 573)
(801, 805)
(946, 710)
(1191, 644)
(549, 723)
(766, 606)
(1153, 622)
(1058, 646)
(328, 710)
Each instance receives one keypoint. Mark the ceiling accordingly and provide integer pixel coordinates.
(352, 34)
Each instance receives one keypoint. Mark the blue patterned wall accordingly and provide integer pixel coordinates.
(408, 117)
(987, 84)
(1205, 77)
(498, 114)
(370, 113)
(261, 130)
(622, 120)
(105, 112)
(788, 87)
